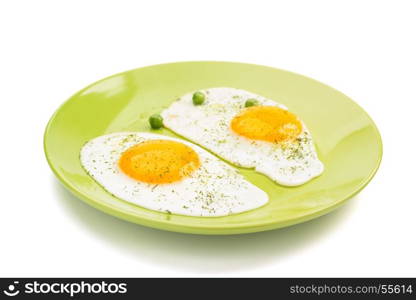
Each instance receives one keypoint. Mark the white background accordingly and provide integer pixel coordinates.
(51, 49)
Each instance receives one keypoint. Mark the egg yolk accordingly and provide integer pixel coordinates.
(267, 123)
(159, 161)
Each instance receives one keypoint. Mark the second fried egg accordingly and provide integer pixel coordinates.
(266, 136)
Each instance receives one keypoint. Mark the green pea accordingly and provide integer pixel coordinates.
(156, 121)
(251, 102)
(198, 98)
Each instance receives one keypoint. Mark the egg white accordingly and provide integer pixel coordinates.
(214, 189)
(208, 125)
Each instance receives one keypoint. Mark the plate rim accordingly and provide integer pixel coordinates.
(165, 224)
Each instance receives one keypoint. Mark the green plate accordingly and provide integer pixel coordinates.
(347, 140)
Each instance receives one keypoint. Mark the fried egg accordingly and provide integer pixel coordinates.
(266, 136)
(168, 175)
